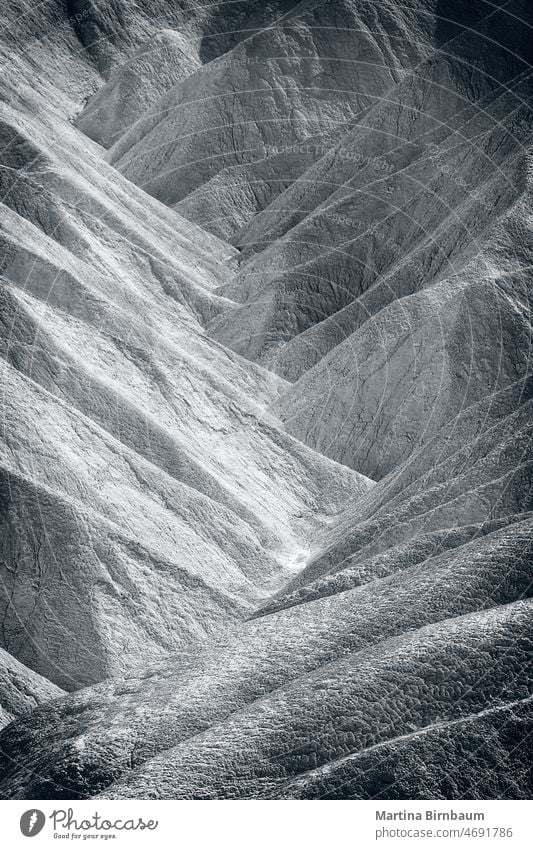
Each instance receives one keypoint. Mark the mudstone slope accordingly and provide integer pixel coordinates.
(266, 469)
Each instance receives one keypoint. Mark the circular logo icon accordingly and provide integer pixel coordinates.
(32, 822)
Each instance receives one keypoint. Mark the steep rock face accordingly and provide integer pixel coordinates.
(108, 32)
(370, 246)
(497, 766)
(388, 388)
(262, 621)
(421, 360)
(148, 499)
(200, 690)
(66, 51)
(156, 66)
(403, 221)
(226, 202)
(200, 32)
(344, 677)
(442, 498)
(21, 690)
(292, 80)
(355, 703)
(475, 79)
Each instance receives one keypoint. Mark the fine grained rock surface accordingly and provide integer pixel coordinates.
(130, 523)
(266, 455)
(147, 497)
(274, 89)
(21, 689)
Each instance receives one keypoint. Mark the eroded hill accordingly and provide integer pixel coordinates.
(266, 451)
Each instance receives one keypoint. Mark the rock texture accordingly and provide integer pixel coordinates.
(266, 469)
(21, 689)
(401, 201)
(217, 135)
(147, 497)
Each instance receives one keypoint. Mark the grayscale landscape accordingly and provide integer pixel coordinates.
(266, 446)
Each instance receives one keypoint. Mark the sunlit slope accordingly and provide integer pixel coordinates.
(148, 500)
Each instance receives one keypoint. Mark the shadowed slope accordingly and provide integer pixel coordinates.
(148, 499)
(292, 80)
(246, 617)
(199, 692)
(414, 365)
